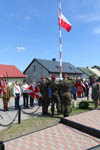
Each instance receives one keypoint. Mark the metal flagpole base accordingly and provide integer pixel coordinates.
(2, 147)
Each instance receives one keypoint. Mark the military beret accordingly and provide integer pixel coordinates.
(43, 78)
(65, 75)
(53, 76)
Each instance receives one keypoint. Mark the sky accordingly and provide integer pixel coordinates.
(29, 29)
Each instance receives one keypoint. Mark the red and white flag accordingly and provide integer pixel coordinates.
(2, 87)
(34, 91)
(64, 23)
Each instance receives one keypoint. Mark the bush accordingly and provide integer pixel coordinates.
(83, 105)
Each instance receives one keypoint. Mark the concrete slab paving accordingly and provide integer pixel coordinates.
(90, 119)
(58, 137)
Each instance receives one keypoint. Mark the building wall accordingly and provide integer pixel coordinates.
(35, 72)
(84, 76)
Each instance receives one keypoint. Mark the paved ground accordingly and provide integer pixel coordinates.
(8, 116)
(59, 137)
(90, 119)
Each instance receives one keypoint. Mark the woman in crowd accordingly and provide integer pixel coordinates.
(95, 92)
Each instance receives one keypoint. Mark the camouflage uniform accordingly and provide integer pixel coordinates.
(65, 86)
(55, 99)
(44, 97)
(6, 98)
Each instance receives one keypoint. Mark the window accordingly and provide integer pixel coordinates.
(34, 68)
(57, 67)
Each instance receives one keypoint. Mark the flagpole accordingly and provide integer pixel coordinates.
(60, 39)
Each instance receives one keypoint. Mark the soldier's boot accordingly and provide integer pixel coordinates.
(66, 115)
(5, 106)
(52, 111)
(58, 112)
(61, 109)
(61, 112)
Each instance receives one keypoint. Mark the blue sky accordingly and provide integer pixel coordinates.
(29, 29)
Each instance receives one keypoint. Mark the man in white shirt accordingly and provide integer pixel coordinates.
(25, 94)
(17, 94)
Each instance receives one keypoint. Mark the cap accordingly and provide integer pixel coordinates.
(53, 76)
(43, 78)
(65, 75)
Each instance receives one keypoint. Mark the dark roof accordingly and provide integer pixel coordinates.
(54, 66)
(11, 71)
(98, 67)
(87, 71)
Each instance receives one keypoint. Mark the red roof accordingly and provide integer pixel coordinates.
(11, 71)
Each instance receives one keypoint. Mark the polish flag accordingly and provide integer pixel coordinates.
(34, 91)
(64, 23)
(2, 87)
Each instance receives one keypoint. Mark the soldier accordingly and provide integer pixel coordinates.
(55, 99)
(65, 87)
(44, 95)
(6, 97)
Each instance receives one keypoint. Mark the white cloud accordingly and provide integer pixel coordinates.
(96, 30)
(20, 48)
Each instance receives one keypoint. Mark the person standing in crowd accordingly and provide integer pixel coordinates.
(44, 95)
(6, 97)
(25, 94)
(73, 90)
(87, 89)
(17, 94)
(99, 89)
(95, 92)
(83, 87)
(79, 88)
(73, 93)
(65, 86)
(55, 99)
(32, 98)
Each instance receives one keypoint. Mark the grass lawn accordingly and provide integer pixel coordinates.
(76, 110)
(36, 123)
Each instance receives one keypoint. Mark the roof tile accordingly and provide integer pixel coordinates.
(11, 71)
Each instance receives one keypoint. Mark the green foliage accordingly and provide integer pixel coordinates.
(84, 105)
(11, 89)
(70, 109)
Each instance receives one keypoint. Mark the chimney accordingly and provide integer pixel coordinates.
(53, 59)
